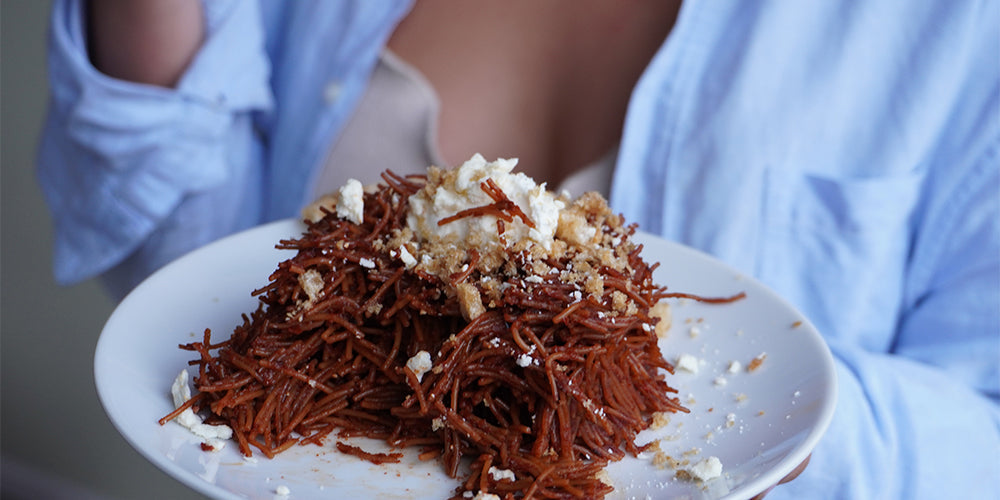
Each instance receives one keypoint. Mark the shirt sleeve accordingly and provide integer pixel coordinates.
(923, 421)
(117, 158)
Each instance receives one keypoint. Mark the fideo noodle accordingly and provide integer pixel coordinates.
(465, 330)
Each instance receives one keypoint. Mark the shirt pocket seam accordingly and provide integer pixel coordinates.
(848, 205)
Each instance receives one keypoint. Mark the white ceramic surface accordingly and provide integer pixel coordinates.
(759, 424)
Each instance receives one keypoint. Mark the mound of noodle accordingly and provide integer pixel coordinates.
(538, 362)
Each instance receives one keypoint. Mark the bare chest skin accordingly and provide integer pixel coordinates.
(544, 81)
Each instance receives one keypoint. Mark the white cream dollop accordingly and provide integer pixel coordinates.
(464, 192)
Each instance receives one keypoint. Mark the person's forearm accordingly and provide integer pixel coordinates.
(146, 41)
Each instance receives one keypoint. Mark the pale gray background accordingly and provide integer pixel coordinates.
(56, 441)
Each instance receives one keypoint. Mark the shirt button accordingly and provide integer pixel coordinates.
(331, 92)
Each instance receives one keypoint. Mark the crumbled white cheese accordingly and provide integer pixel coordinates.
(687, 363)
(720, 381)
(408, 259)
(351, 203)
(420, 364)
(707, 469)
(485, 496)
(501, 474)
(212, 434)
(524, 360)
(465, 192)
(282, 491)
(370, 264)
(735, 367)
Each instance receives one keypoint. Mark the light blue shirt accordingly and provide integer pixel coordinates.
(847, 154)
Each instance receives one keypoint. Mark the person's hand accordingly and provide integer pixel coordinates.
(791, 475)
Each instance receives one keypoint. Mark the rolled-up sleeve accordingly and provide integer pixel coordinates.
(117, 158)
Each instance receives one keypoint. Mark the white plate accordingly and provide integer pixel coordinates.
(778, 412)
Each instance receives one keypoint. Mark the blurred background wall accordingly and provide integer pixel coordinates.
(56, 441)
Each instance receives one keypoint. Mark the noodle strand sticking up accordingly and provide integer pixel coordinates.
(537, 359)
